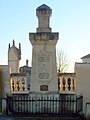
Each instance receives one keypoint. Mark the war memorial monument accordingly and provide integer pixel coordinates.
(44, 80)
(44, 71)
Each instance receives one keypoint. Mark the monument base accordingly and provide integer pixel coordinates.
(44, 95)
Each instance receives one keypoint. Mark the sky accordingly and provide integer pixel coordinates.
(71, 18)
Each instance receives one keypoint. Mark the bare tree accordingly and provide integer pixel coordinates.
(62, 61)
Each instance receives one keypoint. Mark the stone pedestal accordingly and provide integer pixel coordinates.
(44, 72)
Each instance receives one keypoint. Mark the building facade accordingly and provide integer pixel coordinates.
(82, 71)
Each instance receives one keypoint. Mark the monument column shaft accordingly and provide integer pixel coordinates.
(43, 22)
(44, 71)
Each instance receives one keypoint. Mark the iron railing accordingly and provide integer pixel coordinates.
(3, 105)
(61, 105)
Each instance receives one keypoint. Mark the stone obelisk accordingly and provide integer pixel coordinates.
(44, 71)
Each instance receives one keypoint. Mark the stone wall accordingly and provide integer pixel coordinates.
(5, 79)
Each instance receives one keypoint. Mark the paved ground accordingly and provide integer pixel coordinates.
(6, 118)
(13, 118)
(39, 118)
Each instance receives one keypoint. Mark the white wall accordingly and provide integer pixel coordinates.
(83, 81)
(86, 60)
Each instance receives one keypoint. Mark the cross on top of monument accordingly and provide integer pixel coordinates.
(43, 13)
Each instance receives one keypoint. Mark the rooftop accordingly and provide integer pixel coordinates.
(86, 56)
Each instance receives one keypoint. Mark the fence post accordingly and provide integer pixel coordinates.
(0, 105)
(6, 105)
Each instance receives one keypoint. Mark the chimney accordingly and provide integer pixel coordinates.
(9, 47)
(13, 42)
(26, 62)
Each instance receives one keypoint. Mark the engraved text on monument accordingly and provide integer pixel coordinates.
(44, 63)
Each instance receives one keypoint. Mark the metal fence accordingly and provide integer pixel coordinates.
(0, 105)
(3, 105)
(62, 105)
